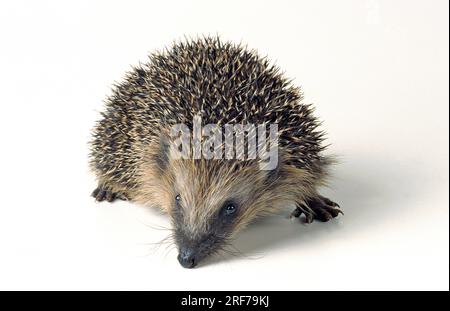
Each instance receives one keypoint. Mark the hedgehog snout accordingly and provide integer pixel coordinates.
(187, 257)
(192, 251)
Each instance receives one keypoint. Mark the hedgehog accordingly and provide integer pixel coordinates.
(209, 200)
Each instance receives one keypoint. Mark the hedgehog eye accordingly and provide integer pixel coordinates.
(229, 209)
(177, 198)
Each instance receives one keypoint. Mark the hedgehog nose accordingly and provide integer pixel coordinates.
(187, 258)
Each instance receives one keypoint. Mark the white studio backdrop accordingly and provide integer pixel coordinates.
(376, 70)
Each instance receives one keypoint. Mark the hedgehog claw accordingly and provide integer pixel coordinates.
(309, 218)
(296, 213)
(101, 194)
(322, 209)
(330, 203)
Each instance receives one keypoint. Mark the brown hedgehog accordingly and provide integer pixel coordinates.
(208, 200)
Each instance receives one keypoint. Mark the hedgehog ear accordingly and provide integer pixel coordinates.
(173, 146)
(162, 156)
(273, 173)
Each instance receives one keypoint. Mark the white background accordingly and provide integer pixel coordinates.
(376, 70)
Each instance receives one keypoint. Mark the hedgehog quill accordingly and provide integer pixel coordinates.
(210, 193)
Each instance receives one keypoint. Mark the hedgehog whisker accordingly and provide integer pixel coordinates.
(157, 227)
(168, 241)
(169, 245)
(230, 249)
(157, 245)
(241, 253)
(170, 249)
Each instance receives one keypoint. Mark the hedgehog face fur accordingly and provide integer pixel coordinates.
(212, 201)
(208, 200)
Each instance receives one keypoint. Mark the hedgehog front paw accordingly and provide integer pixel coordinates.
(319, 208)
(102, 193)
